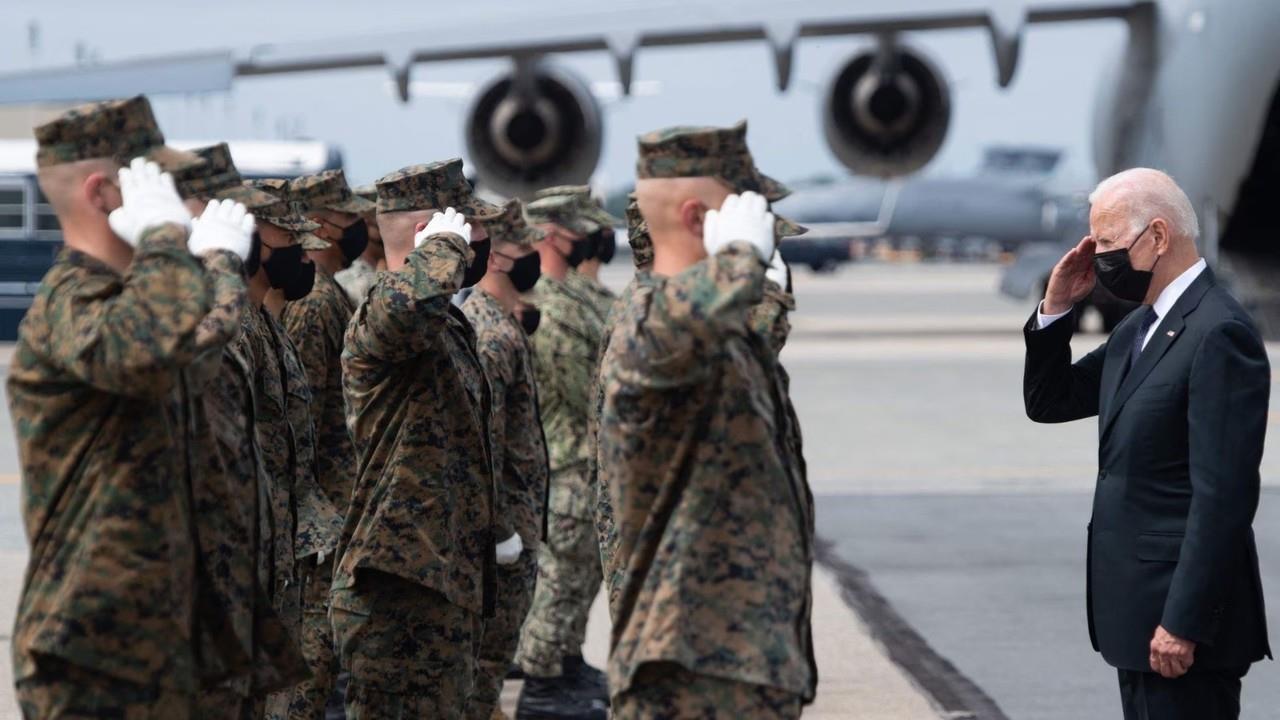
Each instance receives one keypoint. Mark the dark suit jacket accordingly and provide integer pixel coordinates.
(1179, 443)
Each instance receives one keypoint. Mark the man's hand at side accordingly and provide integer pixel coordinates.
(1072, 279)
(1171, 656)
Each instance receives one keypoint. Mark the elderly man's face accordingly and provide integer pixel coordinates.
(1111, 227)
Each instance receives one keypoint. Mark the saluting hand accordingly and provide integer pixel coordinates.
(225, 225)
(1171, 656)
(1072, 279)
(149, 200)
(741, 217)
(449, 221)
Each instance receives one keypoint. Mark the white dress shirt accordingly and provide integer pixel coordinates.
(1163, 304)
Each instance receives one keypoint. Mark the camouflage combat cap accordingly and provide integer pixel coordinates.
(638, 233)
(368, 191)
(782, 227)
(218, 179)
(512, 227)
(283, 213)
(562, 210)
(706, 152)
(328, 190)
(594, 210)
(433, 186)
(118, 129)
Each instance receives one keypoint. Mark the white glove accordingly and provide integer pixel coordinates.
(509, 550)
(449, 221)
(743, 217)
(224, 225)
(778, 271)
(149, 200)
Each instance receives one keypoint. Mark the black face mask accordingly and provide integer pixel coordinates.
(286, 271)
(530, 316)
(608, 246)
(525, 272)
(577, 254)
(254, 261)
(479, 265)
(593, 245)
(1116, 272)
(355, 238)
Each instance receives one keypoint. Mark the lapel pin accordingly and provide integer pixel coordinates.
(1171, 333)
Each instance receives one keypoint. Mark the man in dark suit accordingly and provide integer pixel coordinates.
(1181, 390)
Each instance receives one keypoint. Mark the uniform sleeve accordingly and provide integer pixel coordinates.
(221, 326)
(135, 342)
(769, 319)
(311, 324)
(406, 310)
(497, 362)
(1229, 389)
(688, 315)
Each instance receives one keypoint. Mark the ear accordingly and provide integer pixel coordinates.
(94, 189)
(419, 228)
(1160, 235)
(692, 213)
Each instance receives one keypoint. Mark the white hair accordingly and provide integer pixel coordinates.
(1149, 194)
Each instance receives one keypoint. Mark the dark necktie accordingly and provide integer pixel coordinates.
(1149, 318)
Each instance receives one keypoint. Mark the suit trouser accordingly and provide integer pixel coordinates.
(1198, 695)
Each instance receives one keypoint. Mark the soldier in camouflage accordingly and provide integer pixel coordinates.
(316, 324)
(228, 479)
(519, 448)
(358, 278)
(703, 446)
(558, 682)
(101, 392)
(606, 529)
(301, 521)
(415, 573)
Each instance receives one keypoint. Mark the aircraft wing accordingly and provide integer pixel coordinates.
(530, 32)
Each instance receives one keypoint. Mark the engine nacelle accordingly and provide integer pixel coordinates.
(886, 112)
(528, 132)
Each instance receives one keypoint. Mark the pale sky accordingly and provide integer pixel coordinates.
(1049, 103)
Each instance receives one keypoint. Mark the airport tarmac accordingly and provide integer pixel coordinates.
(952, 527)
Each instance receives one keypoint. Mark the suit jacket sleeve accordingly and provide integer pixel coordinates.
(1053, 388)
(1227, 421)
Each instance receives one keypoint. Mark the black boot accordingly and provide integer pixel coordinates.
(557, 698)
(591, 679)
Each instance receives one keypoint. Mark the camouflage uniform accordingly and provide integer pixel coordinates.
(97, 394)
(299, 524)
(520, 464)
(415, 570)
(700, 453)
(565, 350)
(606, 528)
(316, 325)
(235, 616)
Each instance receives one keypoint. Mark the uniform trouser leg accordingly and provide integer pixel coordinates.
(501, 635)
(667, 691)
(568, 578)
(308, 698)
(411, 653)
(62, 691)
(1198, 695)
(225, 702)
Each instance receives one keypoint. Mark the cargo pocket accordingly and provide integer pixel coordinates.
(1159, 547)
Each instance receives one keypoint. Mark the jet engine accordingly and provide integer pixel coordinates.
(886, 112)
(535, 127)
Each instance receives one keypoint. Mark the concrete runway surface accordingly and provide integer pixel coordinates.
(952, 527)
